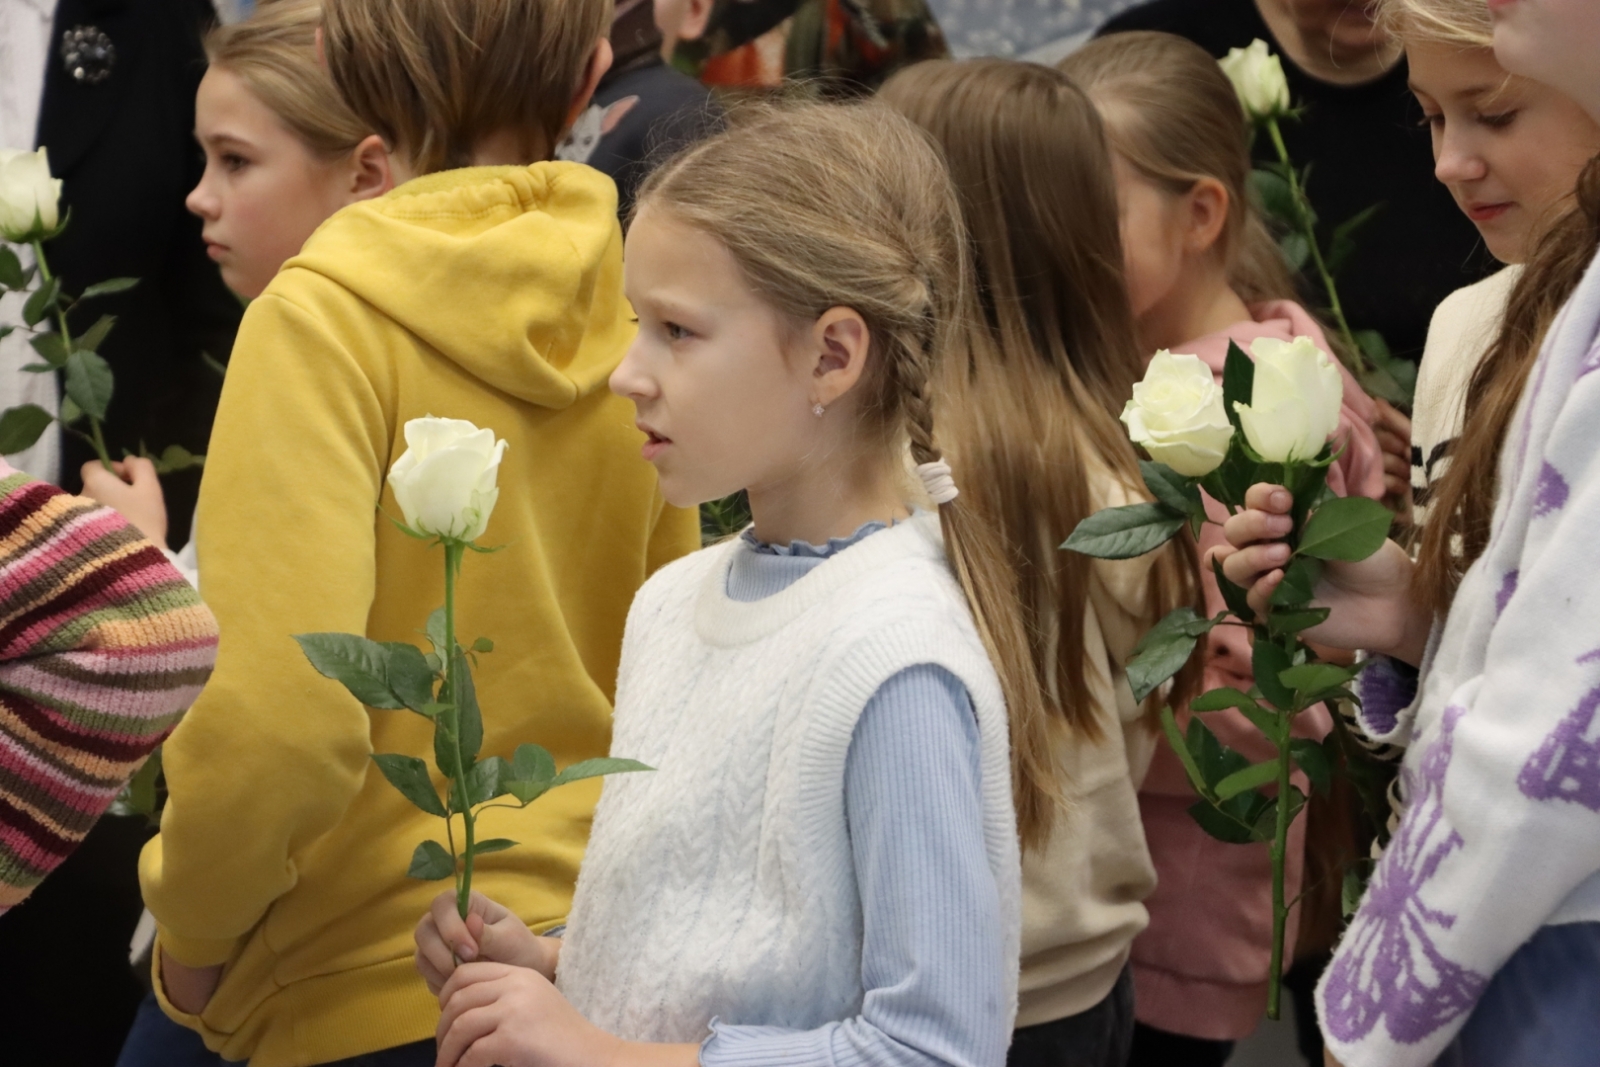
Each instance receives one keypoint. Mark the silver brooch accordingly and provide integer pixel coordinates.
(88, 54)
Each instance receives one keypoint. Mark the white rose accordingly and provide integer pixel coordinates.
(29, 197)
(1294, 405)
(1177, 416)
(445, 481)
(1257, 77)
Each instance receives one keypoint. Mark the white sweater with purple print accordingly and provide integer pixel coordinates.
(1501, 830)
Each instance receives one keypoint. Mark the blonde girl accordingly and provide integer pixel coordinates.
(283, 152)
(824, 866)
(1510, 151)
(1028, 408)
(1478, 940)
(1203, 271)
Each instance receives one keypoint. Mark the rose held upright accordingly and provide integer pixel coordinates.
(446, 485)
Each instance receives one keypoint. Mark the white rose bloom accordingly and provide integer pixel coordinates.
(445, 481)
(1177, 415)
(27, 194)
(1294, 405)
(1257, 77)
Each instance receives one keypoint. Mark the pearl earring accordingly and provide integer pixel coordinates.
(817, 410)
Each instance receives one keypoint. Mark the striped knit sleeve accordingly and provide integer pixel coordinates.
(102, 646)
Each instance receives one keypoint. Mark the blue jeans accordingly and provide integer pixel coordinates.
(157, 1041)
(1542, 1007)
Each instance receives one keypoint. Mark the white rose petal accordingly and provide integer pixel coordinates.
(1177, 416)
(29, 197)
(445, 480)
(1295, 402)
(1257, 76)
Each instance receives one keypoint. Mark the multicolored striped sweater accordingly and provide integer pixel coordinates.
(102, 646)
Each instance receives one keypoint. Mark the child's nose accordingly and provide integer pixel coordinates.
(1457, 162)
(201, 202)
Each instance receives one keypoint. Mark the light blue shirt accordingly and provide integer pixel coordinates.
(932, 961)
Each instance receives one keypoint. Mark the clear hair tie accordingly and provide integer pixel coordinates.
(938, 481)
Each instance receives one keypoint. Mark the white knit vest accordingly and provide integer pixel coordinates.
(721, 885)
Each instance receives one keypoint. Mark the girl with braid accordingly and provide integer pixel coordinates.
(846, 725)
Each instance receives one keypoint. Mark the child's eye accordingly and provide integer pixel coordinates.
(1434, 120)
(1498, 121)
(233, 161)
(676, 332)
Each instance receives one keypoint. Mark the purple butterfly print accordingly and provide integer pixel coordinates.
(1551, 493)
(1567, 765)
(1388, 967)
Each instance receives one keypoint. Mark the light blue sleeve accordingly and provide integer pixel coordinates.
(932, 960)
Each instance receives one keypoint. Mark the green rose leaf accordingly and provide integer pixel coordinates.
(435, 628)
(88, 382)
(1233, 595)
(51, 348)
(1252, 777)
(494, 844)
(89, 340)
(1268, 662)
(1287, 623)
(21, 427)
(361, 665)
(1299, 583)
(11, 276)
(1164, 650)
(1317, 677)
(1296, 250)
(1347, 528)
(1265, 719)
(430, 863)
(466, 699)
(1233, 821)
(410, 775)
(531, 763)
(594, 768)
(41, 303)
(483, 644)
(1180, 746)
(484, 780)
(1275, 196)
(407, 676)
(1180, 493)
(175, 458)
(1312, 758)
(109, 286)
(1238, 382)
(70, 411)
(1125, 532)
(1214, 760)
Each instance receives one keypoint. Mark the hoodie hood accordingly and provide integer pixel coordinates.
(513, 273)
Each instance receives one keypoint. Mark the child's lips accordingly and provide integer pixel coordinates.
(1488, 212)
(655, 443)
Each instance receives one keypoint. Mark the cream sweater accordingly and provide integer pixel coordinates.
(1083, 893)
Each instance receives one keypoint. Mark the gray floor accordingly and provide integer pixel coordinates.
(1272, 1045)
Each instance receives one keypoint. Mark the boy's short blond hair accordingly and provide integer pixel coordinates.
(435, 78)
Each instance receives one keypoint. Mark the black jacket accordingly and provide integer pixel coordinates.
(124, 147)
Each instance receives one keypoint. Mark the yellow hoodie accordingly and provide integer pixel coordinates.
(488, 294)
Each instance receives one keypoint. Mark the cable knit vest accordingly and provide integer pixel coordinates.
(722, 884)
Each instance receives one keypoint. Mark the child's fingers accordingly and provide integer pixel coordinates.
(1251, 564)
(1253, 527)
(451, 929)
(467, 1029)
(138, 471)
(1264, 496)
(434, 960)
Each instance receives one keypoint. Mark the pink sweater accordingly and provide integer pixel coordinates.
(1200, 968)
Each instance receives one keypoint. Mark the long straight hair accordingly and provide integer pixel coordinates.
(1050, 356)
(848, 205)
(1462, 507)
(1174, 116)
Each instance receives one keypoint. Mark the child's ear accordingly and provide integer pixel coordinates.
(841, 341)
(599, 63)
(695, 18)
(370, 173)
(1208, 205)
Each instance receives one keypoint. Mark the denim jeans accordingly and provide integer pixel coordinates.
(1542, 1007)
(157, 1041)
